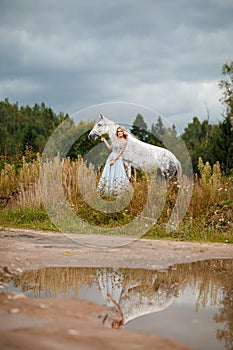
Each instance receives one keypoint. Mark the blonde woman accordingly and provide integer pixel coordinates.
(114, 178)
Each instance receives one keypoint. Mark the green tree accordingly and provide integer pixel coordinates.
(159, 127)
(224, 140)
(26, 127)
(227, 86)
(197, 139)
(157, 131)
(82, 145)
(139, 128)
(4, 139)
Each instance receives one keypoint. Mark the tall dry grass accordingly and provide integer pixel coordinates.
(211, 199)
(19, 185)
(211, 188)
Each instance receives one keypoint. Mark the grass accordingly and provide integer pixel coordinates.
(208, 217)
(23, 217)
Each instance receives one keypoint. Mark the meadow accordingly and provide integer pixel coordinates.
(208, 217)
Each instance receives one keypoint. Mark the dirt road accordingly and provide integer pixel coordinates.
(76, 324)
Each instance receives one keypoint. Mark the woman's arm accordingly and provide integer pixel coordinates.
(118, 155)
(106, 144)
(117, 307)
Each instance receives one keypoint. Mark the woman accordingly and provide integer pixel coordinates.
(114, 178)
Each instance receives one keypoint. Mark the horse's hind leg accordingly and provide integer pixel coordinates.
(161, 174)
(128, 170)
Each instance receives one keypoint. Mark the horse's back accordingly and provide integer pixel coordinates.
(146, 156)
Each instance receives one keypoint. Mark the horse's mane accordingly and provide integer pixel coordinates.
(127, 126)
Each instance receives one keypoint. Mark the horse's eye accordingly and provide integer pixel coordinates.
(99, 124)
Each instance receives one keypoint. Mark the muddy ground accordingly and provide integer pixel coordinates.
(70, 323)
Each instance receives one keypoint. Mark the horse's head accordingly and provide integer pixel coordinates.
(100, 128)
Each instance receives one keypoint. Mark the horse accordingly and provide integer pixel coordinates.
(138, 154)
(149, 158)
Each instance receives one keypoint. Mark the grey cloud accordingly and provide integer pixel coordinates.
(71, 54)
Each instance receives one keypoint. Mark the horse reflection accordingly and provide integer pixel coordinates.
(128, 300)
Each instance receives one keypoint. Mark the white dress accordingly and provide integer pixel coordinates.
(114, 178)
(134, 297)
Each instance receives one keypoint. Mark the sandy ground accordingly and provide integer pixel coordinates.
(70, 323)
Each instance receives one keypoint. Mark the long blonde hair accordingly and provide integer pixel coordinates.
(125, 134)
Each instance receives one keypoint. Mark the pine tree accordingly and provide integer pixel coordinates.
(139, 128)
(224, 142)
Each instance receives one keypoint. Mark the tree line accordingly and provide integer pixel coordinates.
(27, 127)
(23, 128)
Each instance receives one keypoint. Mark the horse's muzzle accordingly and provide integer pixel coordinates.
(92, 136)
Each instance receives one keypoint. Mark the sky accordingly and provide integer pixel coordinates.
(166, 55)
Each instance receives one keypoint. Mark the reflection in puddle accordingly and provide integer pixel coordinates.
(195, 301)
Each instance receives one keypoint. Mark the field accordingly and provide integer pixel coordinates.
(207, 219)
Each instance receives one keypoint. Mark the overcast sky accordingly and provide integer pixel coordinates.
(162, 54)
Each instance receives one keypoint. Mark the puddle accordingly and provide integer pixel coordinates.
(192, 302)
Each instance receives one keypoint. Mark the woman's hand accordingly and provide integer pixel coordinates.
(102, 139)
(112, 162)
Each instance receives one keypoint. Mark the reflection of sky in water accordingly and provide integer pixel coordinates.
(91, 294)
(180, 321)
(181, 303)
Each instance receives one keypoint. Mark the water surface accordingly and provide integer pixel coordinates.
(190, 302)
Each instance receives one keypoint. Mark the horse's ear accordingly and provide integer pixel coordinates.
(100, 115)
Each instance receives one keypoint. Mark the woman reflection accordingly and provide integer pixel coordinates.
(116, 319)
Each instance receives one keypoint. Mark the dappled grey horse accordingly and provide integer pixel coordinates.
(149, 158)
(138, 154)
